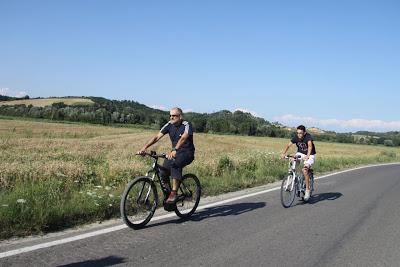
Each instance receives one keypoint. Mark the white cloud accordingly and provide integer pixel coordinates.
(20, 94)
(340, 125)
(9, 92)
(247, 111)
(4, 91)
(161, 107)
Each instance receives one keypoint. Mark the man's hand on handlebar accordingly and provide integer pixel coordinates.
(171, 155)
(142, 152)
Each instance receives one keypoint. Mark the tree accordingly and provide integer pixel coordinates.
(388, 142)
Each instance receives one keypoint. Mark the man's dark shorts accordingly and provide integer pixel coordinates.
(175, 166)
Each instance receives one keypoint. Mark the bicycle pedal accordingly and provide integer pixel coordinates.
(169, 207)
(180, 198)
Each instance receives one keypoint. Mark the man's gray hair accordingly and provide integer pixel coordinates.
(178, 109)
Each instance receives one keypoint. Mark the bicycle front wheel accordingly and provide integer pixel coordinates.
(288, 191)
(138, 202)
(188, 196)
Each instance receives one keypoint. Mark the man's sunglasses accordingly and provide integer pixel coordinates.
(173, 115)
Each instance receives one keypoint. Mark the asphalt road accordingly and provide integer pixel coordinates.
(352, 220)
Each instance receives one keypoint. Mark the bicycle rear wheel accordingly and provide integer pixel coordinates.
(188, 196)
(138, 202)
(288, 191)
(312, 181)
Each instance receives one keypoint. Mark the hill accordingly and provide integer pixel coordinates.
(42, 102)
(99, 110)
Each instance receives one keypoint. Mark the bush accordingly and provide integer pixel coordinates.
(224, 163)
(388, 143)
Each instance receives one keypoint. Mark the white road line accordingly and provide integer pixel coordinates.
(123, 226)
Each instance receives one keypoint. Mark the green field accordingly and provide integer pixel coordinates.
(57, 175)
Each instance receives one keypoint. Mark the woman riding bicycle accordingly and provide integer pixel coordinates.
(306, 149)
(182, 153)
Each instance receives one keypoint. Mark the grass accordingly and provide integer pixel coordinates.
(56, 175)
(42, 102)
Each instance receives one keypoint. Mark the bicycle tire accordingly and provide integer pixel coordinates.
(288, 192)
(312, 181)
(185, 207)
(150, 203)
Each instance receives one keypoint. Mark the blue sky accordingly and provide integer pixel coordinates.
(330, 64)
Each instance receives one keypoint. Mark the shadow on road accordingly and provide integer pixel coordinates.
(227, 210)
(108, 261)
(324, 196)
(220, 211)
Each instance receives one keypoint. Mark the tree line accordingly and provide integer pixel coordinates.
(125, 112)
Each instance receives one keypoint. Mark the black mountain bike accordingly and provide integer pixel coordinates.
(140, 198)
(294, 183)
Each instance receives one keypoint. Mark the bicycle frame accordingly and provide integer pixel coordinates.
(292, 171)
(155, 170)
(294, 160)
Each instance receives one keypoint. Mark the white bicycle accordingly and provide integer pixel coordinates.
(294, 184)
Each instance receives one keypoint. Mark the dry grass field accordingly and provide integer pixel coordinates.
(49, 101)
(56, 175)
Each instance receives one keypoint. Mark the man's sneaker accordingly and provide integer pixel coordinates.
(172, 198)
(307, 195)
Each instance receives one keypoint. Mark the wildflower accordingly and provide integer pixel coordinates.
(21, 201)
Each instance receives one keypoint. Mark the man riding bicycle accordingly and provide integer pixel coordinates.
(182, 153)
(306, 149)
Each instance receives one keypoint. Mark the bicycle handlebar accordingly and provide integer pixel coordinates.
(153, 154)
(292, 157)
